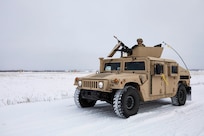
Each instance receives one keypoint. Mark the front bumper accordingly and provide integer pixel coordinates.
(97, 95)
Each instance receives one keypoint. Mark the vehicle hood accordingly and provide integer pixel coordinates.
(107, 76)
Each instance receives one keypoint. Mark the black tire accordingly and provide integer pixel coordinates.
(81, 102)
(126, 102)
(180, 97)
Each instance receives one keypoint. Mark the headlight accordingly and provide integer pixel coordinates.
(79, 83)
(100, 85)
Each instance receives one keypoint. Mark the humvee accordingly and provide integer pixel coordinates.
(139, 75)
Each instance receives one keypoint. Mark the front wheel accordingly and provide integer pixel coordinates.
(126, 102)
(81, 102)
(180, 97)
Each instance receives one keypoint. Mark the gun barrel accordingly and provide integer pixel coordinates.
(116, 38)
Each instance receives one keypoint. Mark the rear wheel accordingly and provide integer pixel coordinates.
(126, 102)
(180, 97)
(81, 102)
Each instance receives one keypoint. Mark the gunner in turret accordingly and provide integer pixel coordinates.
(139, 43)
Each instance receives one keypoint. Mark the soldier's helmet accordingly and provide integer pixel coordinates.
(139, 40)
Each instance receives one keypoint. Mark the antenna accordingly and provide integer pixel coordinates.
(176, 53)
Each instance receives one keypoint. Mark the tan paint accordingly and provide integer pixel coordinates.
(151, 86)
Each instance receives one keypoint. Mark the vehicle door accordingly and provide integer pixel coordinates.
(158, 78)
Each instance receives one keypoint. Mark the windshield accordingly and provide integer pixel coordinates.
(112, 66)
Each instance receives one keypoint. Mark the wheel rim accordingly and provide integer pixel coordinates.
(181, 95)
(130, 102)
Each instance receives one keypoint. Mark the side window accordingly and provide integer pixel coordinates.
(135, 65)
(174, 69)
(158, 69)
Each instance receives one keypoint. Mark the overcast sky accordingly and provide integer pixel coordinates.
(73, 34)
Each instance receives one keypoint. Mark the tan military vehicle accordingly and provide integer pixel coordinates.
(139, 75)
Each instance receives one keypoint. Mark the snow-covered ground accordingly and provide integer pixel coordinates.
(21, 87)
(27, 107)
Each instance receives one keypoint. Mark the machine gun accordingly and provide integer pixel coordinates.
(124, 48)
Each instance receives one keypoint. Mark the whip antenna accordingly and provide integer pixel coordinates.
(177, 54)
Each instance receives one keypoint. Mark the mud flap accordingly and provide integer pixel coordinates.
(188, 90)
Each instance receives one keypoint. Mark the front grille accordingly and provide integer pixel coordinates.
(90, 84)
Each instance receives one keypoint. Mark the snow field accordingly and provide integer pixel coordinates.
(63, 117)
(24, 87)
